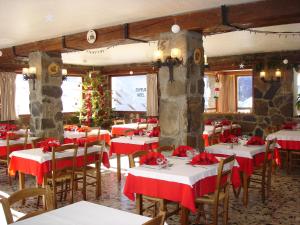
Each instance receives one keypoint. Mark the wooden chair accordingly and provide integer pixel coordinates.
(129, 132)
(35, 143)
(221, 193)
(119, 121)
(59, 175)
(10, 146)
(262, 175)
(21, 196)
(165, 148)
(294, 159)
(159, 220)
(88, 171)
(214, 138)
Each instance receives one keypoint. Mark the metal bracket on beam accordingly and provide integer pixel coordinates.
(65, 46)
(126, 34)
(18, 56)
(224, 15)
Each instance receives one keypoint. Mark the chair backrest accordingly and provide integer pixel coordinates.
(135, 155)
(22, 195)
(119, 121)
(224, 175)
(10, 147)
(94, 156)
(129, 132)
(35, 143)
(68, 162)
(158, 220)
(165, 148)
(269, 154)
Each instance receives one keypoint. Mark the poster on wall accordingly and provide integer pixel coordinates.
(129, 93)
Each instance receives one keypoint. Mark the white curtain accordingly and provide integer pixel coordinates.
(152, 97)
(7, 95)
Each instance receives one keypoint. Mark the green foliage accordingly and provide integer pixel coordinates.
(298, 102)
(96, 110)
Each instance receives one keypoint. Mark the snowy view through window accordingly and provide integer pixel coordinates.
(244, 95)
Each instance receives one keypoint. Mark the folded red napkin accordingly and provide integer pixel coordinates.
(48, 144)
(70, 127)
(208, 122)
(138, 131)
(83, 129)
(8, 127)
(152, 120)
(12, 136)
(151, 158)
(204, 158)
(255, 140)
(155, 132)
(181, 150)
(289, 125)
(225, 122)
(228, 138)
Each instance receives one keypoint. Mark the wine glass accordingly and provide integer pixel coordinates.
(190, 153)
(160, 162)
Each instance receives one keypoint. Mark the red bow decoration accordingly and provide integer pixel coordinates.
(84, 129)
(8, 127)
(155, 132)
(256, 140)
(151, 158)
(204, 158)
(181, 150)
(70, 127)
(48, 144)
(228, 138)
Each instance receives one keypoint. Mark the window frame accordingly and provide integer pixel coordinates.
(124, 75)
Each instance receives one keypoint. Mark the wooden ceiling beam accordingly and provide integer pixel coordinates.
(209, 21)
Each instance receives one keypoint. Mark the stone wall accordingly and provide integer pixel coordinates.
(45, 97)
(181, 102)
(272, 105)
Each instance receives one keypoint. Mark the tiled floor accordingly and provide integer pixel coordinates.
(283, 207)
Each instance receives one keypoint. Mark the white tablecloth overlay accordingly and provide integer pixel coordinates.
(85, 213)
(18, 141)
(239, 150)
(136, 140)
(179, 172)
(285, 135)
(130, 126)
(75, 134)
(37, 154)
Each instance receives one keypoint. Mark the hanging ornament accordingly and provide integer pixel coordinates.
(285, 61)
(242, 66)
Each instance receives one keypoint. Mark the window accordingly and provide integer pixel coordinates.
(129, 93)
(72, 94)
(233, 92)
(22, 96)
(244, 94)
(71, 98)
(209, 93)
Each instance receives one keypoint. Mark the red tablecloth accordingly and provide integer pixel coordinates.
(28, 166)
(124, 148)
(289, 145)
(173, 191)
(120, 131)
(104, 137)
(16, 148)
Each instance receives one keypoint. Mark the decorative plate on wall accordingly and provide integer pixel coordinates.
(54, 69)
(91, 36)
(197, 56)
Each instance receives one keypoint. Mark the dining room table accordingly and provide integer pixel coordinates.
(127, 145)
(247, 156)
(92, 135)
(83, 212)
(288, 140)
(120, 129)
(37, 162)
(179, 182)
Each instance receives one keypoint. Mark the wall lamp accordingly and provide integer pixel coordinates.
(171, 61)
(277, 78)
(29, 74)
(64, 73)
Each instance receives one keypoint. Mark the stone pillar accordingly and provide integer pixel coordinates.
(45, 97)
(181, 102)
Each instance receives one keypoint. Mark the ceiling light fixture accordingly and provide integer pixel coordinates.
(175, 28)
(29, 74)
(1, 53)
